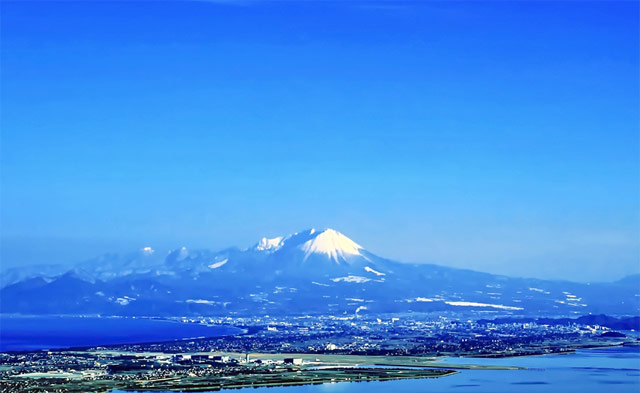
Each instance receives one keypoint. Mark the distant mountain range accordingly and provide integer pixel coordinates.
(310, 272)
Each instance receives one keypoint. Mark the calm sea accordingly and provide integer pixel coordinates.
(33, 333)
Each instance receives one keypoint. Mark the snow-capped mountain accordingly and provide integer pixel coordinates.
(328, 243)
(336, 246)
(269, 245)
(312, 271)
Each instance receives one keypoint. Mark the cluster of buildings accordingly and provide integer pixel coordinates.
(396, 335)
(408, 334)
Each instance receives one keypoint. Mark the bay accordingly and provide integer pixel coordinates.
(20, 333)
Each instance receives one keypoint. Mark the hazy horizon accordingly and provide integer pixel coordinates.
(167, 249)
(494, 136)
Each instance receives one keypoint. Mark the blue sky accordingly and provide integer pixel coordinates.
(496, 136)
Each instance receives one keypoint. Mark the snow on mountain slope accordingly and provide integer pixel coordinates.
(217, 265)
(327, 244)
(331, 243)
(266, 244)
(315, 265)
(370, 270)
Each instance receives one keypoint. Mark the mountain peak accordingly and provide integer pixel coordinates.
(327, 242)
(266, 244)
(147, 250)
(331, 243)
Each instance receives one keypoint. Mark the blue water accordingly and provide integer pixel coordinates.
(614, 370)
(33, 333)
(597, 370)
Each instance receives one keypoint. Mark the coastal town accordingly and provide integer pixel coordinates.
(279, 351)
